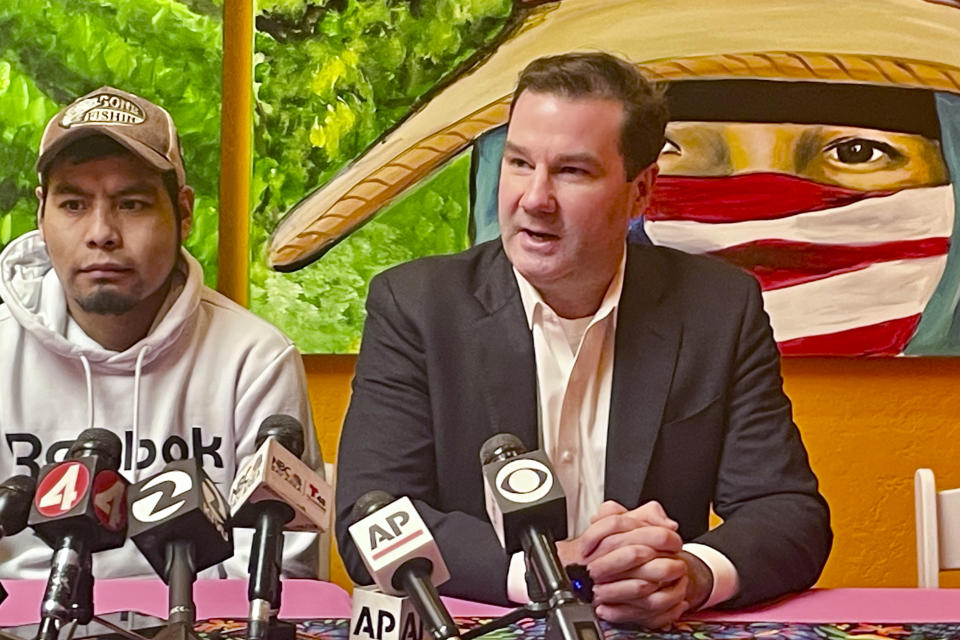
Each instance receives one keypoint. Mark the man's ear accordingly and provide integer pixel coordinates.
(185, 200)
(643, 188)
(39, 192)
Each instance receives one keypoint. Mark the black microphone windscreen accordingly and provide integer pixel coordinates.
(500, 446)
(370, 502)
(22, 485)
(16, 494)
(286, 429)
(96, 441)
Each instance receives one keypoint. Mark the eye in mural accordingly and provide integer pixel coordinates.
(835, 196)
(813, 144)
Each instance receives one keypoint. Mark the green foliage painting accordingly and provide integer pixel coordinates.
(52, 51)
(330, 78)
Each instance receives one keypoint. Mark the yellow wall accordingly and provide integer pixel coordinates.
(867, 423)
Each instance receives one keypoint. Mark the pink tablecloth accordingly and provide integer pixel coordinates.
(817, 605)
(852, 605)
(311, 599)
(214, 598)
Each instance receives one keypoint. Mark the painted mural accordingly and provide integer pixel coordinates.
(331, 78)
(813, 143)
(52, 51)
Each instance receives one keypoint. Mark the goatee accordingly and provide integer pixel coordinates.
(107, 303)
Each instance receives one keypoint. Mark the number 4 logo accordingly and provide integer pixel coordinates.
(110, 499)
(62, 488)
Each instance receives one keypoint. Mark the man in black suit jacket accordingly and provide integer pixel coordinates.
(697, 415)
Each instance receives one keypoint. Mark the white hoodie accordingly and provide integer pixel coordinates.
(198, 385)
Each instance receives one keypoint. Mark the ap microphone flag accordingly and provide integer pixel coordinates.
(403, 557)
(390, 537)
(380, 616)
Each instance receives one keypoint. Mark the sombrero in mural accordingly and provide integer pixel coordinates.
(897, 43)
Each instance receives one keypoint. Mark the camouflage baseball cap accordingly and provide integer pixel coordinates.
(144, 128)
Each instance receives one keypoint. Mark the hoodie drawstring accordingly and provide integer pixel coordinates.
(137, 371)
(135, 454)
(89, 378)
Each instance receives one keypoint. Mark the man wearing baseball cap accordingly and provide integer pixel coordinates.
(106, 323)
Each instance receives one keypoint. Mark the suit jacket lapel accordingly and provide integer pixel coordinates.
(503, 350)
(647, 343)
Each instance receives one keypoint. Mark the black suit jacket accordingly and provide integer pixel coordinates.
(698, 415)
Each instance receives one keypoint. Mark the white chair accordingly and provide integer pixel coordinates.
(938, 529)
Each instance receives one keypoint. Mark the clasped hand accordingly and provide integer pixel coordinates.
(635, 560)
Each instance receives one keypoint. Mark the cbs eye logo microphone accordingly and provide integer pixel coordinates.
(520, 490)
(524, 480)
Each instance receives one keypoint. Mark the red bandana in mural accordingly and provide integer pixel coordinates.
(832, 261)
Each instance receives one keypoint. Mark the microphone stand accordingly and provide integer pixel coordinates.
(536, 609)
(81, 609)
(71, 563)
(264, 587)
(181, 574)
(568, 617)
(416, 583)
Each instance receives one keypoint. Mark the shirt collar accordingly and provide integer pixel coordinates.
(533, 302)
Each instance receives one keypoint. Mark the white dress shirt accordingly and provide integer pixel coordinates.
(574, 380)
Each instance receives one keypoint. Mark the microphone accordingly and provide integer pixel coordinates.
(380, 616)
(178, 520)
(80, 507)
(528, 510)
(275, 491)
(16, 493)
(402, 557)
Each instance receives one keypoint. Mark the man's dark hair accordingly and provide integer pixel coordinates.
(99, 146)
(606, 77)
